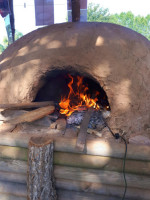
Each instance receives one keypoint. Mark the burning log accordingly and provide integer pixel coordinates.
(81, 140)
(32, 115)
(16, 106)
(40, 171)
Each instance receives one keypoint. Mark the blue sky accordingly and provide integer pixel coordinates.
(25, 17)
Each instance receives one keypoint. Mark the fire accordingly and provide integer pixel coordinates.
(75, 100)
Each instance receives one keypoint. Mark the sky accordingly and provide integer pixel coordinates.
(25, 15)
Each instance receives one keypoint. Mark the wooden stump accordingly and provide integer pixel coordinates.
(40, 182)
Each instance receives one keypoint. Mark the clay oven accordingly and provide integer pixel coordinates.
(116, 58)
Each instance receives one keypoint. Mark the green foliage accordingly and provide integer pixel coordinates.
(97, 14)
(1, 48)
(137, 23)
(4, 45)
(18, 35)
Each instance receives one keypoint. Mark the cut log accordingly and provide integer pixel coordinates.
(10, 188)
(102, 177)
(99, 147)
(70, 159)
(101, 189)
(73, 195)
(19, 106)
(81, 140)
(13, 166)
(13, 177)
(11, 197)
(18, 153)
(93, 176)
(32, 115)
(40, 169)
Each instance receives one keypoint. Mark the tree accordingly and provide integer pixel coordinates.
(1, 48)
(4, 45)
(137, 23)
(95, 13)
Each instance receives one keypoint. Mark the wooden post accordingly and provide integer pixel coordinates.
(75, 10)
(40, 183)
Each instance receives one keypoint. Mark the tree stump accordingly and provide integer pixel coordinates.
(40, 183)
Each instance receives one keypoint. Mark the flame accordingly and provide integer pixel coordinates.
(75, 100)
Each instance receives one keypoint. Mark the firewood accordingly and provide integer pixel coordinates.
(59, 124)
(81, 140)
(26, 105)
(40, 169)
(32, 115)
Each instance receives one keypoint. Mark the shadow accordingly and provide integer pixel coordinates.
(117, 58)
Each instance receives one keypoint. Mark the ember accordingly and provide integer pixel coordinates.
(78, 97)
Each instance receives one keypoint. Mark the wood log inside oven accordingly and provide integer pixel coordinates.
(18, 106)
(32, 115)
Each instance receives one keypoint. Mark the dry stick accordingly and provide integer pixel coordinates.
(32, 115)
(40, 169)
(26, 105)
(81, 140)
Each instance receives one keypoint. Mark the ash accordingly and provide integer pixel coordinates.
(96, 121)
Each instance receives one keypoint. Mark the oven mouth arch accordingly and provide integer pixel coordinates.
(53, 85)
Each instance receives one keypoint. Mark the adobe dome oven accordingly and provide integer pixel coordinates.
(115, 58)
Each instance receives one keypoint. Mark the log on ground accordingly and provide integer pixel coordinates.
(18, 157)
(102, 189)
(98, 147)
(32, 115)
(87, 175)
